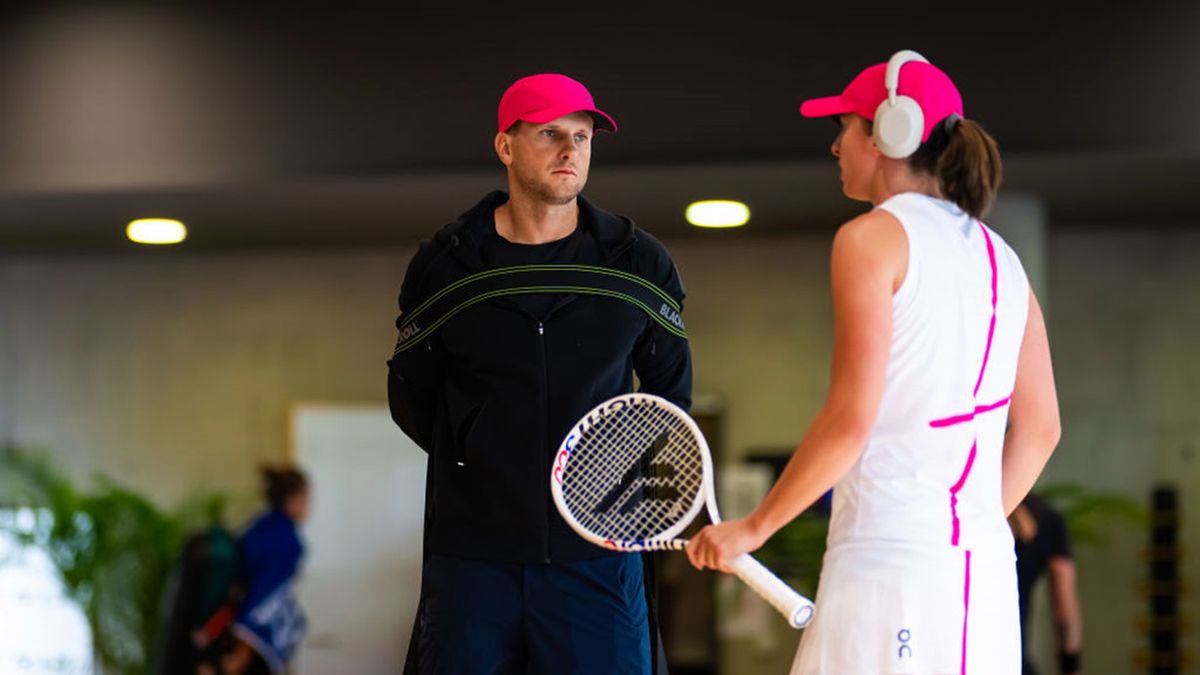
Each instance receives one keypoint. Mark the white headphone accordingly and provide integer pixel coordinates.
(899, 122)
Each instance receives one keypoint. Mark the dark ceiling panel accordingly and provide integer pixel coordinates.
(108, 109)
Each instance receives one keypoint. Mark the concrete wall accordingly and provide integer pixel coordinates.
(173, 372)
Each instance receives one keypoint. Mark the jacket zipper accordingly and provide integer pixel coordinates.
(546, 451)
(545, 411)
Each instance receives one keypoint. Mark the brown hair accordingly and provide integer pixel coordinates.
(966, 161)
(280, 484)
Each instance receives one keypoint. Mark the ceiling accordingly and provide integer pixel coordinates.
(261, 126)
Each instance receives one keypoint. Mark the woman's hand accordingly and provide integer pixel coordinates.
(716, 545)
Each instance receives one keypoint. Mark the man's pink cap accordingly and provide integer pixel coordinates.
(923, 82)
(541, 98)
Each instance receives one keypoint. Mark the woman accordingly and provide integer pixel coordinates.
(269, 623)
(938, 342)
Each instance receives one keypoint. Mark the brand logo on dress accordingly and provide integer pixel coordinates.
(905, 651)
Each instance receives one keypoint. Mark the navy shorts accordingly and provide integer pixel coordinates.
(484, 618)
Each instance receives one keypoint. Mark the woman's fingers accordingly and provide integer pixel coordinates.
(704, 551)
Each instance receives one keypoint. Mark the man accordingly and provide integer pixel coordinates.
(515, 320)
(1043, 547)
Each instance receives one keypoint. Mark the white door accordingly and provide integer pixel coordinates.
(361, 577)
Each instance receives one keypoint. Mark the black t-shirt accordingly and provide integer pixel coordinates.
(1033, 557)
(497, 251)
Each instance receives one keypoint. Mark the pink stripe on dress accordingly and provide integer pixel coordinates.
(955, 529)
(954, 495)
(967, 417)
(991, 326)
(966, 611)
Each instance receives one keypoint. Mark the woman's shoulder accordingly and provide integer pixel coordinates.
(877, 228)
(872, 244)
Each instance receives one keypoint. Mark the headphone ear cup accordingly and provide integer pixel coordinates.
(898, 127)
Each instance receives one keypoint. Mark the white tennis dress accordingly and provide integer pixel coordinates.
(919, 576)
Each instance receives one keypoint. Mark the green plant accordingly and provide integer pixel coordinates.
(1091, 514)
(112, 547)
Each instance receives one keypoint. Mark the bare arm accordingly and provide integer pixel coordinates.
(1068, 618)
(868, 263)
(867, 256)
(1033, 415)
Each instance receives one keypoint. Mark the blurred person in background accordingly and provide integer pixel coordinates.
(267, 621)
(1043, 547)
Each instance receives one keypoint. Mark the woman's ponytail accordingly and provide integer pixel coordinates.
(966, 161)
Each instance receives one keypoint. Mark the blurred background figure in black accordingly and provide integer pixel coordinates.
(1044, 549)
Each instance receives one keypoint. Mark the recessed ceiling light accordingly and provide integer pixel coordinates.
(718, 213)
(156, 231)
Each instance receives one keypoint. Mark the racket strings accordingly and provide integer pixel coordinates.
(633, 474)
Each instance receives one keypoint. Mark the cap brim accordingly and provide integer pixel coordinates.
(824, 107)
(601, 118)
(603, 121)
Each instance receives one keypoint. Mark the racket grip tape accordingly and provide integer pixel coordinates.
(797, 609)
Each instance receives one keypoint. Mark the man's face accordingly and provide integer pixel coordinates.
(549, 161)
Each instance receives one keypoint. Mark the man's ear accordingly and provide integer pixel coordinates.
(503, 143)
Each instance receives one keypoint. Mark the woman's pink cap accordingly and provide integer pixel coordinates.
(923, 82)
(548, 96)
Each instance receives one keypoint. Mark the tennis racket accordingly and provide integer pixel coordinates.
(634, 472)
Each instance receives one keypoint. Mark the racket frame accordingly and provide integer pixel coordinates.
(667, 540)
(796, 609)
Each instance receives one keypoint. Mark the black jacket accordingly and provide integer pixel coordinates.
(492, 393)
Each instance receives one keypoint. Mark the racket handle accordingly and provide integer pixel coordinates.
(797, 609)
